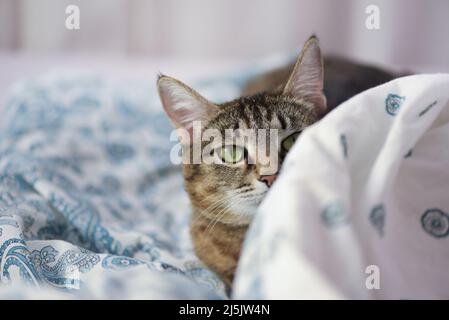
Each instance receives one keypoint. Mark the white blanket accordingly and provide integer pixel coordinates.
(361, 208)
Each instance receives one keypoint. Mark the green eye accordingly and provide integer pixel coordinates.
(231, 154)
(288, 142)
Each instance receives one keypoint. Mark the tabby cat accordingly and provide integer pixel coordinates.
(225, 197)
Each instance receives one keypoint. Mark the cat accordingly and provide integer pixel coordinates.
(225, 197)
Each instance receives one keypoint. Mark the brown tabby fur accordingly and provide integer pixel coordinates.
(218, 244)
(218, 231)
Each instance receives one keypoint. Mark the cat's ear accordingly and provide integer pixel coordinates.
(184, 105)
(306, 79)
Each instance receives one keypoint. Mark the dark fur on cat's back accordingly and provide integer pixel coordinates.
(224, 198)
(343, 79)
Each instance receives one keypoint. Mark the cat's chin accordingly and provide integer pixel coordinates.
(241, 215)
(245, 212)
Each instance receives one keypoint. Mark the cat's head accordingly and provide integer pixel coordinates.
(230, 189)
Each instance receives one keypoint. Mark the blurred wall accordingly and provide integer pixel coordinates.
(411, 31)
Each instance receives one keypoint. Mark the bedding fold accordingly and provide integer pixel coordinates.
(360, 209)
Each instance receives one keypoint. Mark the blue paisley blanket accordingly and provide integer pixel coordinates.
(90, 204)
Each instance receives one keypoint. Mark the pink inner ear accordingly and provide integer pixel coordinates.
(179, 117)
(306, 81)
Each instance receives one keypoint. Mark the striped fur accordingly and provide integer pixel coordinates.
(225, 198)
(218, 233)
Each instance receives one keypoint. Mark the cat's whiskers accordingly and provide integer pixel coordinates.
(209, 208)
(223, 212)
(215, 206)
(244, 218)
(219, 215)
(224, 209)
(208, 197)
(218, 203)
(230, 195)
(240, 190)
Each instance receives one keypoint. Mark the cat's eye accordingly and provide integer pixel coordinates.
(231, 154)
(288, 142)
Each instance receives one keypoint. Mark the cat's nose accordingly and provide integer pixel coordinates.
(268, 180)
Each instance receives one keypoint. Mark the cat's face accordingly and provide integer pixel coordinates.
(230, 188)
(241, 178)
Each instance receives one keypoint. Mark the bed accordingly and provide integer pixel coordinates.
(92, 208)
